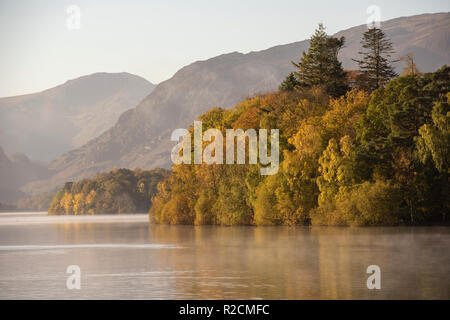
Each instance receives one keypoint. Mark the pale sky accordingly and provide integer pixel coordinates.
(154, 39)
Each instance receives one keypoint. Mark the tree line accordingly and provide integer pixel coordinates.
(358, 148)
(117, 191)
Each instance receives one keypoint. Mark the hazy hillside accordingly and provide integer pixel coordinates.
(140, 138)
(427, 35)
(46, 124)
(15, 171)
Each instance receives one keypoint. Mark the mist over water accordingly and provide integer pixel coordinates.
(134, 260)
(11, 218)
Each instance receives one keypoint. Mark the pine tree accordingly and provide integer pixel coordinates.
(289, 83)
(320, 65)
(375, 68)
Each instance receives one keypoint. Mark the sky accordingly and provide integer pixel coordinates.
(44, 43)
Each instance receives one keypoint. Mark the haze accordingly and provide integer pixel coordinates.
(154, 39)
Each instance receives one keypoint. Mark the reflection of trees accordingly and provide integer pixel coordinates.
(299, 263)
(262, 262)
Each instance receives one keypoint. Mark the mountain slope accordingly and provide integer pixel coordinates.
(46, 124)
(140, 137)
(426, 35)
(15, 171)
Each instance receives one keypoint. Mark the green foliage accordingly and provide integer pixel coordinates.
(366, 204)
(265, 210)
(433, 141)
(375, 67)
(289, 83)
(395, 140)
(357, 160)
(118, 191)
(433, 145)
(320, 65)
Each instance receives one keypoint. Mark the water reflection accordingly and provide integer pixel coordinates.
(208, 262)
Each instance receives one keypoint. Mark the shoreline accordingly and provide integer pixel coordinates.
(43, 218)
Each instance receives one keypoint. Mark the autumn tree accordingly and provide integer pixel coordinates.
(410, 65)
(361, 159)
(117, 191)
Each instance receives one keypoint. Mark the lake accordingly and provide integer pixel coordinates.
(124, 257)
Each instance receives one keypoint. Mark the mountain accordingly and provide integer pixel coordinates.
(141, 136)
(15, 171)
(46, 124)
(426, 35)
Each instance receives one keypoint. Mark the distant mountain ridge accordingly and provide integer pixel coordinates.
(15, 171)
(46, 124)
(140, 138)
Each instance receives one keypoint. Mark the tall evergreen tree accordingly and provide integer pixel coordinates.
(289, 83)
(375, 68)
(320, 65)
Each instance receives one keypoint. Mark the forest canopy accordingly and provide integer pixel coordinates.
(358, 148)
(118, 191)
(361, 159)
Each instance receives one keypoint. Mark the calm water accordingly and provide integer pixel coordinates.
(135, 260)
